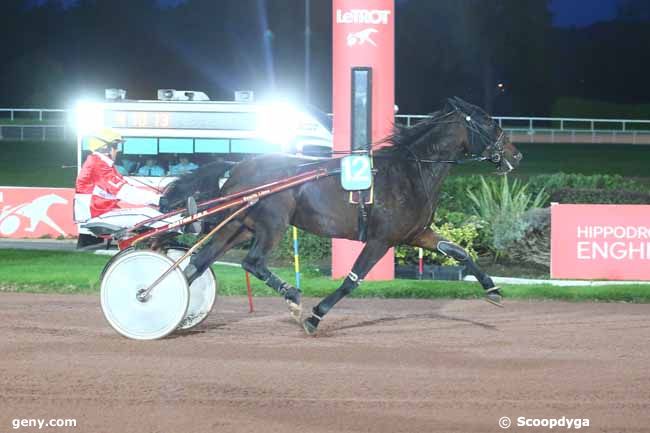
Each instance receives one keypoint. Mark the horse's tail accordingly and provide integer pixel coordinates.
(202, 183)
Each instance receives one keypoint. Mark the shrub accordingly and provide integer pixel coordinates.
(459, 228)
(453, 195)
(482, 242)
(554, 182)
(502, 204)
(312, 248)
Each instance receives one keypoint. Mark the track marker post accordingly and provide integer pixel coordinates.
(296, 257)
(250, 293)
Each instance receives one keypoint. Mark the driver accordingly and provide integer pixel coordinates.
(100, 187)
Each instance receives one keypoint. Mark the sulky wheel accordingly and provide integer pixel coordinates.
(203, 292)
(154, 317)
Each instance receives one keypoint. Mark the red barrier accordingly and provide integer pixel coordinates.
(36, 212)
(610, 242)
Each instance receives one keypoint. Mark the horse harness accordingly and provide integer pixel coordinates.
(364, 199)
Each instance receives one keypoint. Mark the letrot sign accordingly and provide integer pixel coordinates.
(610, 242)
(36, 212)
(363, 41)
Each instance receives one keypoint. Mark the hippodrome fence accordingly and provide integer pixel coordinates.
(35, 124)
(564, 129)
(40, 124)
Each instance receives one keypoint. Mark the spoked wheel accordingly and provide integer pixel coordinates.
(203, 292)
(163, 309)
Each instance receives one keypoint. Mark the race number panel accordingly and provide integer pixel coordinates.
(356, 173)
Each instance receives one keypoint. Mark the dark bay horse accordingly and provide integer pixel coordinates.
(409, 175)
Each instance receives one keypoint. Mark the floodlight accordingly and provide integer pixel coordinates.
(89, 117)
(277, 123)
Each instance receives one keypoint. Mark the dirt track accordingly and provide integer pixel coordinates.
(377, 366)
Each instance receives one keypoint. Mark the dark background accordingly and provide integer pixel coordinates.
(562, 57)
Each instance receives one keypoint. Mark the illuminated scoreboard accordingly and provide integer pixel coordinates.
(213, 127)
(190, 120)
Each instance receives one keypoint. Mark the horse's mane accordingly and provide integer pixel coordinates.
(404, 138)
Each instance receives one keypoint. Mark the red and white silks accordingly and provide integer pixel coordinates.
(100, 188)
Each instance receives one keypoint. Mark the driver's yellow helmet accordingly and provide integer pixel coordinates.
(102, 138)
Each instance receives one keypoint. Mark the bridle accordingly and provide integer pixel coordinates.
(493, 152)
(496, 153)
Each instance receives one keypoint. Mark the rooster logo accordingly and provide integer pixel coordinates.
(362, 37)
(36, 212)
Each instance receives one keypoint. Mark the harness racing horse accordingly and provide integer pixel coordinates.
(407, 183)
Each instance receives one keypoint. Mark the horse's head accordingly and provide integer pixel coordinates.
(485, 138)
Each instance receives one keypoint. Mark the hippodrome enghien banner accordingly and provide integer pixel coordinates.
(608, 242)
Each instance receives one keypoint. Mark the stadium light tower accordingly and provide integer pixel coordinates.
(307, 50)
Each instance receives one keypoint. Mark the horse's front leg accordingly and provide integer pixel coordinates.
(372, 252)
(431, 240)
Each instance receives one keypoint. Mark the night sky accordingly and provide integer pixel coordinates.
(566, 13)
(581, 13)
(552, 57)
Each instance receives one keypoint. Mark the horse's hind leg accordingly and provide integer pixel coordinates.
(231, 234)
(431, 240)
(371, 253)
(268, 234)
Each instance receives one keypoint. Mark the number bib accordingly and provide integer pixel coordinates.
(356, 172)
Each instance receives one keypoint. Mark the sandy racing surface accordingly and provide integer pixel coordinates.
(377, 366)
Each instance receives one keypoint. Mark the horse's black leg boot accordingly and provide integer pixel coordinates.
(350, 283)
(459, 254)
(195, 268)
(191, 272)
(289, 292)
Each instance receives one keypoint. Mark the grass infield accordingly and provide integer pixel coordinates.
(71, 272)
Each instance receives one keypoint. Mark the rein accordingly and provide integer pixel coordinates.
(495, 149)
(415, 158)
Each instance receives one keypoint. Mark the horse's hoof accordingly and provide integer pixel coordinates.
(293, 299)
(494, 297)
(295, 310)
(310, 325)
